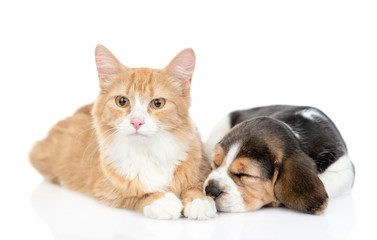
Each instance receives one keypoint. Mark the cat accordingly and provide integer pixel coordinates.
(136, 147)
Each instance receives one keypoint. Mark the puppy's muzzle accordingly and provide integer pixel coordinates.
(213, 190)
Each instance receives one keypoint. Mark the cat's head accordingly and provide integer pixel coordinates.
(139, 103)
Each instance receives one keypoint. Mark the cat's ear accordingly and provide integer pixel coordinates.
(181, 68)
(107, 66)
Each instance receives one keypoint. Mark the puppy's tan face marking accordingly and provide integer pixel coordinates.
(245, 166)
(218, 156)
(250, 172)
(255, 190)
(238, 183)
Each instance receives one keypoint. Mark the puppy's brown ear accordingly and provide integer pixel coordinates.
(298, 186)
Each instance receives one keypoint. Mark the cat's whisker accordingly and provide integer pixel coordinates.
(92, 154)
(92, 128)
(95, 140)
(97, 147)
(170, 129)
(90, 162)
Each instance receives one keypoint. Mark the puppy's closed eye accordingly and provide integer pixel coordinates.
(245, 167)
(246, 179)
(239, 175)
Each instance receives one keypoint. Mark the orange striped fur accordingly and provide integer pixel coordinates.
(75, 152)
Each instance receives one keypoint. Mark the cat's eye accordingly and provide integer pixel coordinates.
(122, 101)
(157, 103)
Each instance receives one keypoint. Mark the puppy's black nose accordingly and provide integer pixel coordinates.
(212, 190)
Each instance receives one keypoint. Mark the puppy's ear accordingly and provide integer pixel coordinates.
(298, 186)
(218, 156)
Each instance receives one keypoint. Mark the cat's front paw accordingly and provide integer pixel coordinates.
(167, 207)
(200, 209)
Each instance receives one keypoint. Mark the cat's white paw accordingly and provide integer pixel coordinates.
(168, 207)
(200, 209)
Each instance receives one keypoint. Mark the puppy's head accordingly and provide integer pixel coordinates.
(260, 162)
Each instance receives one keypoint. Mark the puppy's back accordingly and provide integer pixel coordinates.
(318, 136)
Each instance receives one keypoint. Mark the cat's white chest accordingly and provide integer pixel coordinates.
(153, 161)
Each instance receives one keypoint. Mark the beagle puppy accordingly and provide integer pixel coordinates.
(277, 155)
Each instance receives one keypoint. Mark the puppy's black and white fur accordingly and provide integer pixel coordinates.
(290, 155)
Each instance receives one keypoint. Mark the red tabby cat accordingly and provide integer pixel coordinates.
(136, 147)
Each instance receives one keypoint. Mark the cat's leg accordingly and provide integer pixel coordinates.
(158, 205)
(197, 205)
(161, 206)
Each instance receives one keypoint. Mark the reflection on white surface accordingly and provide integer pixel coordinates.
(71, 215)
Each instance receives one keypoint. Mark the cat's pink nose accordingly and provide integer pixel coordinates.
(137, 122)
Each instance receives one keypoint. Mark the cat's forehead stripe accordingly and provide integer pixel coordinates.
(140, 82)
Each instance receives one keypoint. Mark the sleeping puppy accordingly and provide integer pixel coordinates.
(277, 155)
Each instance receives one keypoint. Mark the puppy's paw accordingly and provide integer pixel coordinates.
(168, 207)
(200, 209)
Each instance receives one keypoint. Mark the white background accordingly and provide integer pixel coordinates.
(249, 53)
